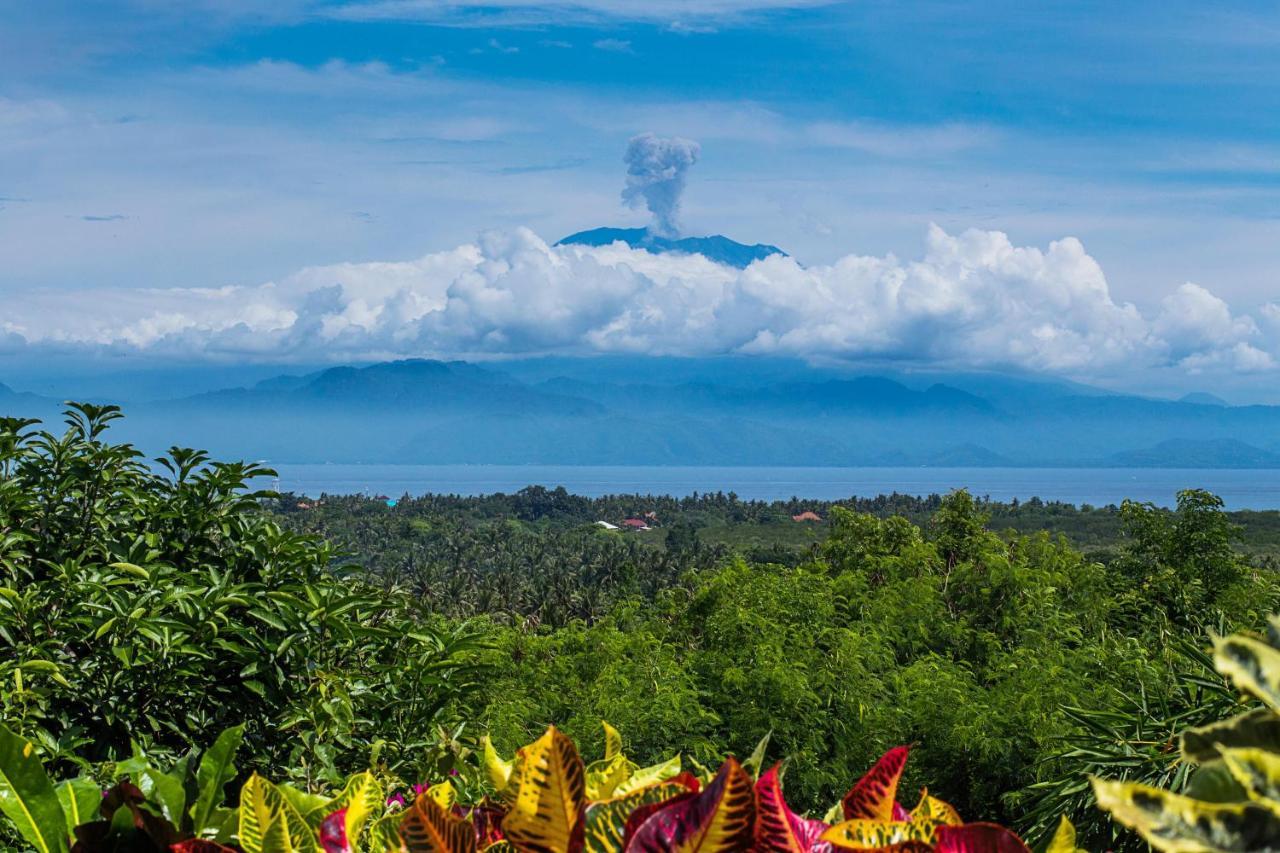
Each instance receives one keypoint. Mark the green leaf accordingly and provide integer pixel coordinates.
(27, 796)
(651, 775)
(217, 768)
(1213, 783)
(164, 791)
(80, 799)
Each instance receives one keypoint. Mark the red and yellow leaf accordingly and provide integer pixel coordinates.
(333, 833)
(605, 822)
(778, 828)
(977, 838)
(428, 828)
(872, 798)
(718, 820)
(550, 793)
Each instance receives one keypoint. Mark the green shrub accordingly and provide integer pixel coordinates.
(154, 605)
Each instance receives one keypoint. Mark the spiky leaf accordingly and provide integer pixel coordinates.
(384, 835)
(1178, 824)
(720, 818)
(550, 792)
(873, 796)
(27, 796)
(777, 827)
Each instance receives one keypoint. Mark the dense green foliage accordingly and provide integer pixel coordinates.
(154, 608)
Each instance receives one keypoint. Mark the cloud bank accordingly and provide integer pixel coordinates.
(971, 300)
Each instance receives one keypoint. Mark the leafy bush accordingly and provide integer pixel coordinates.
(546, 800)
(151, 606)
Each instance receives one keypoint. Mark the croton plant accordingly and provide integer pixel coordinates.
(545, 800)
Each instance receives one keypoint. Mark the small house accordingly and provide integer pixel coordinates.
(807, 515)
(606, 525)
(635, 524)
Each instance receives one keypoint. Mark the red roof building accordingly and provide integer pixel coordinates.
(635, 524)
(807, 515)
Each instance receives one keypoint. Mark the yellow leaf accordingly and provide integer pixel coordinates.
(549, 795)
(1177, 824)
(1064, 840)
(647, 776)
(498, 770)
(612, 741)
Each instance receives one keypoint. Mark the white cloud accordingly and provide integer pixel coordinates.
(972, 299)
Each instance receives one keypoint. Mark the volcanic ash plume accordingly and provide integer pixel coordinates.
(656, 168)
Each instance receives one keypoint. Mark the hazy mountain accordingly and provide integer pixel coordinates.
(1189, 453)
(1202, 398)
(626, 410)
(716, 247)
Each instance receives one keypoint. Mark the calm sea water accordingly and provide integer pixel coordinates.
(1240, 489)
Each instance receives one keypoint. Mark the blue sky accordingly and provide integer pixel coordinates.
(174, 146)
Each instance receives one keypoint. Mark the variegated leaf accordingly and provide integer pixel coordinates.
(1253, 665)
(612, 741)
(268, 823)
(1257, 771)
(1258, 728)
(605, 822)
(780, 830)
(1178, 824)
(604, 777)
(933, 809)
(720, 819)
(866, 834)
(550, 793)
(651, 775)
(360, 799)
(873, 796)
(497, 769)
(428, 828)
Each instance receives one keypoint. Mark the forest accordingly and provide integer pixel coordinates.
(176, 636)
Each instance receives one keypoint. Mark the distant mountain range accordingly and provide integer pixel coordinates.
(622, 410)
(716, 247)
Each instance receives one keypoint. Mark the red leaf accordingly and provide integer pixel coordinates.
(977, 838)
(778, 828)
(333, 833)
(873, 797)
(718, 820)
(899, 813)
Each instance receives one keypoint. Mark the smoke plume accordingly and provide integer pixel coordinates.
(656, 168)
